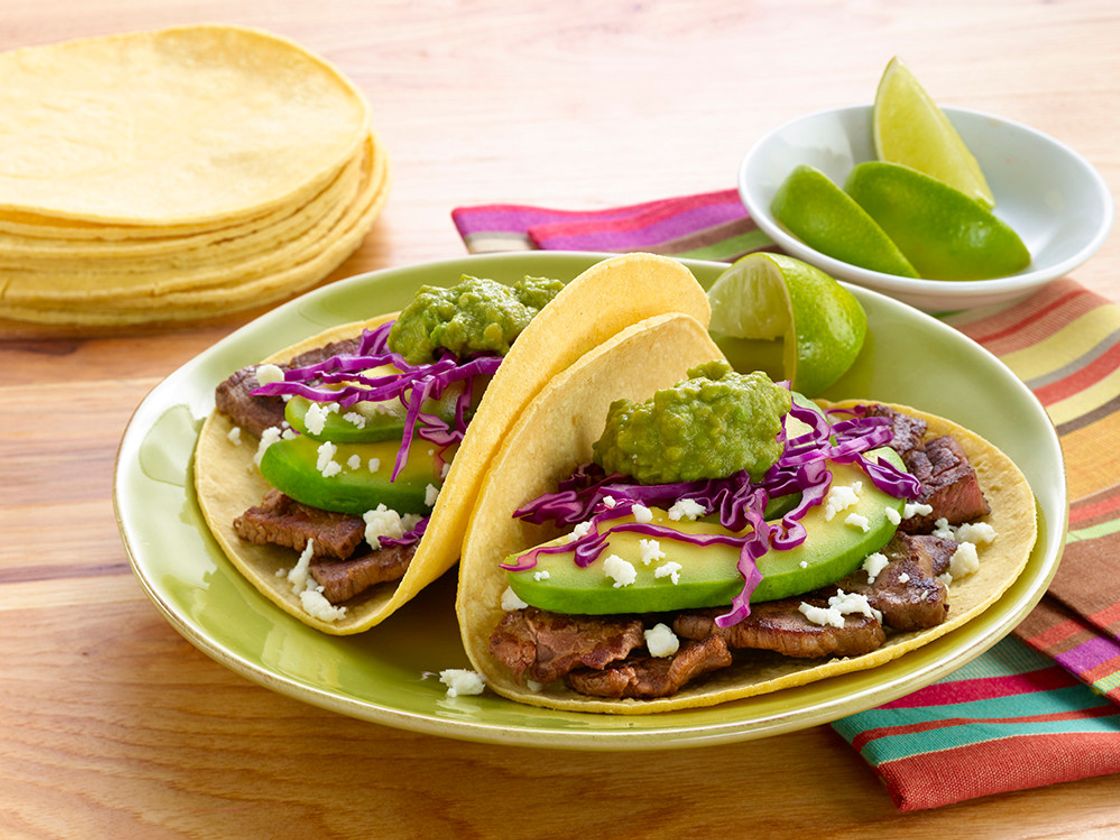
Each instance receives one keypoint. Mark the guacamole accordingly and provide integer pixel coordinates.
(711, 425)
(475, 316)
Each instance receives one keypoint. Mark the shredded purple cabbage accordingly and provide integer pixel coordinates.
(409, 537)
(739, 502)
(412, 386)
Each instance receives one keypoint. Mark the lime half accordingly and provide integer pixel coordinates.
(911, 130)
(768, 301)
(826, 218)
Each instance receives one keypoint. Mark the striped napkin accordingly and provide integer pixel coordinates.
(1043, 706)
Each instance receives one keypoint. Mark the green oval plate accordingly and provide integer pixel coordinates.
(387, 674)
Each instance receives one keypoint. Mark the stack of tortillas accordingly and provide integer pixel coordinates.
(179, 174)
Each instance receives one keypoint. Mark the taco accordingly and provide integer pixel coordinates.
(338, 475)
(660, 532)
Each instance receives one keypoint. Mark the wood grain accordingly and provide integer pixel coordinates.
(115, 726)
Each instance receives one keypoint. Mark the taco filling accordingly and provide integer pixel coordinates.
(356, 437)
(725, 519)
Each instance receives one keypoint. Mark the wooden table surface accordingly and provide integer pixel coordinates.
(113, 725)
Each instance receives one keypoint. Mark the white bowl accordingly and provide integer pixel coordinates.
(1053, 198)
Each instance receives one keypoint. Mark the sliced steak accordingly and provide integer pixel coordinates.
(345, 579)
(908, 431)
(545, 646)
(280, 520)
(234, 397)
(780, 626)
(907, 591)
(647, 677)
(949, 485)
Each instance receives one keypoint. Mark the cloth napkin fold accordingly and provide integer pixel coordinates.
(1043, 706)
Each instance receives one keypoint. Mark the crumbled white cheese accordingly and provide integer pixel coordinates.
(461, 682)
(534, 686)
(853, 602)
(904, 578)
(821, 615)
(410, 521)
(267, 374)
(841, 497)
(354, 462)
(964, 561)
(281, 573)
(316, 418)
(581, 530)
(804, 564)
(326, 453)
(382, 522)
(942, 528)
(315, 603)
(374, 464)
(686, 508)
(945, 578)
(332, 469)
(857, 520)
(609, 501)
(670, 570)
(299, 574)
(289, 434)
(839, 605)
(444, 470)
(286, 397)
(234, 435)
(874, 565)
(642, 514)
(650, 551)
(978, 533)
(268, 437)
(661, 641)
(893, 516)
(431, 452)
(912, 509)
(355, 419)
(431, 493)
(284, 424)
(622, 572)
(543, 574)
(511, 602)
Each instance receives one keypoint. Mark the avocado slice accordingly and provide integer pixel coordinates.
(290, 467)
(709, 575)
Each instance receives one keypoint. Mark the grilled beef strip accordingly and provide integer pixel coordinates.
(647, 677)
(908, 431)
(345, 579)
(281, 520)
(545, 646)
(780, 626)
(949, 485)
(234, 397)
(922, 600)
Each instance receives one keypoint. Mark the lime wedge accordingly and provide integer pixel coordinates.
(944, 233)
(766, 298)
(911, 130)
(826, 218)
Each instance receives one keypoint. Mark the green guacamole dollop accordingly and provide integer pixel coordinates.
(475, 316)
(711, 425)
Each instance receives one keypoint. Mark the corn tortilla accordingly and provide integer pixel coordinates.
(118, 281)
(189, 125)
(237, 294)
(608, 297)
(554, 434)
(49, 253)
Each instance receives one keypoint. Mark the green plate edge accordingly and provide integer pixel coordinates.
(387, 675)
